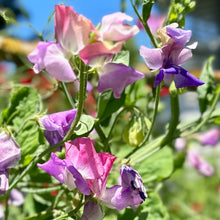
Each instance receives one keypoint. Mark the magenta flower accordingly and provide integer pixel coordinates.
(72, 32)
(199, 164)
(210, 137)
(9, 158)
(169, 57)
(56, 125)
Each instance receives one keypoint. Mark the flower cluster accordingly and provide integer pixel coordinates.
(76, 35)
(87, 171)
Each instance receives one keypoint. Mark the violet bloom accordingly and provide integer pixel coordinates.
(169, 57)
(199, 164)
(9, 158)
(72, 33)
(115, 76)
(56, 125)
(210, 137)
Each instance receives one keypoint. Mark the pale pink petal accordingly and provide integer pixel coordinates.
(180, 55)
(113, 27)
(84, 158)
(71, 29)
(152, 57)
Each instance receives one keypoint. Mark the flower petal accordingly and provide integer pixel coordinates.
(159, 78)
(92, 211)
(71, 29)
(12, 151)
(84, 158)
(210, 137)
(113, 27)
(152, 57)
(185, 79)
(55, 167)
(117, 76)
(180, 36)
(4, 186)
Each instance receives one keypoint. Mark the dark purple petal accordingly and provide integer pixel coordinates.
(159, 78)
(92, 211)
(185, 79)
(79, 181)
(4, 181)
(180, 36)
(55, 167)
(117, 76)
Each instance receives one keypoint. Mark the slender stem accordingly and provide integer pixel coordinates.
(216, 98)
(102, 137)
(157, 100)
(146, 27)
(69, 98)
(174, 121)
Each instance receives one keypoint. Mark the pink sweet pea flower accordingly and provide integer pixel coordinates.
(210, 137)
(200, 164)
(72, 32)
(113, 27)
(9, 158)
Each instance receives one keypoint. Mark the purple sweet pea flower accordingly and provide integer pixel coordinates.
(210, 137)
(131, 191)
(56, 125)
(117, 76)
(168, 58)
(9, 158)
(199, 164)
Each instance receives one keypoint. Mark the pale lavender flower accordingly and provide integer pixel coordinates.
(169, 57)
(10, 155)
(56, 125)
(180, 143)
(16, 198)
(210, 137)
(200, 164)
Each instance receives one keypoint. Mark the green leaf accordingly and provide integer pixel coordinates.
(206, 91)
(146, 9)
(156, 167)
(24, 105)
(85, 125)
(122, 57)
(107, 104)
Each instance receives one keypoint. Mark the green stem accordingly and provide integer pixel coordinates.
(68, 96)
(199, 126)
(174, 121)
(157, 100)
(102, 137)
(146, 27)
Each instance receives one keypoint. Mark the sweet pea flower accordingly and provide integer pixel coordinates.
(210, 137)
(56, 125)
(170, 56)
(115, 76)
(88, 171)
(9, 158)
(199, 164)
(180, 143)
(72, 32)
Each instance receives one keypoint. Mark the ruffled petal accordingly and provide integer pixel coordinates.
(71, 29)
(84, 158)
(55, 167)
(113, 27)
(117, 76)
(152, 57)
(12, 151)
(185, 79)
(4, 186)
